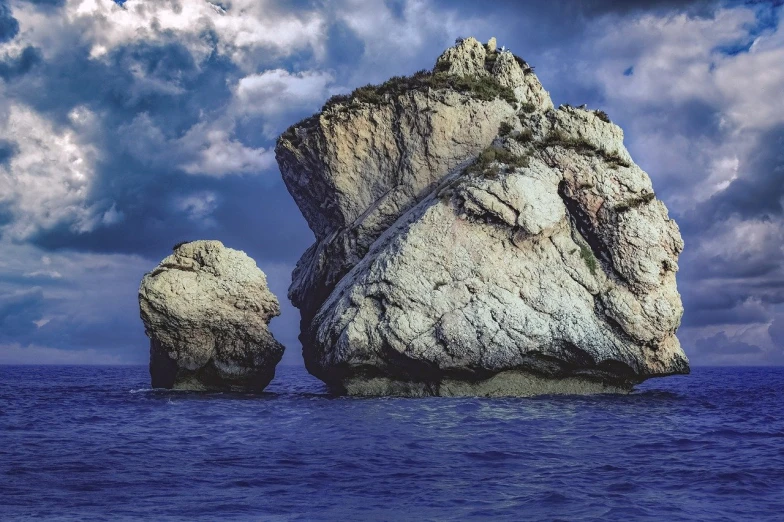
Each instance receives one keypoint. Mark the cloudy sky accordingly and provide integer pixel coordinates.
(126, 127)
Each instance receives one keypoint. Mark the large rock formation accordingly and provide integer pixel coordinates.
(471, 239)
(206, 309)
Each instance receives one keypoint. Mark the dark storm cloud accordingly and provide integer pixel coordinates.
(46, 3)
(17, 66)
(693, 7)
(115, 331)
(731, 308)
(343, 46)
(587, 8)
(723, 291)
(7, 151)
(151, 225)
(759, 188)
(763, 261)
(716, 287)
(776, 331)
(142, 190)
(626, 6)
(18, 310)
(690, 119)
(720, 344)
(161, 80)
(280, 232)
(8, 24)
(542, 23)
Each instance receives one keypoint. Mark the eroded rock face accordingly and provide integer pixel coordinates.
(206, 309)
(468, 246)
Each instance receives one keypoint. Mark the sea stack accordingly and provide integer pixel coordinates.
(472, 239)
(206, 309)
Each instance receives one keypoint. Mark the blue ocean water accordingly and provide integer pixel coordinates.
(84, 443)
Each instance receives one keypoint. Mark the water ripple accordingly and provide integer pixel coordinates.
(87, 443)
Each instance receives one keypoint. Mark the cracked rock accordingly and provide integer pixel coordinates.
(454, 257)
(206, 309)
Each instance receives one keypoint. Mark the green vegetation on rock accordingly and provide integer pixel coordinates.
(485, 88)
(590, 260)
(602, 116)
(524, 136)
(558, 138)
(528, 107)
(484, 162)
(635, 202)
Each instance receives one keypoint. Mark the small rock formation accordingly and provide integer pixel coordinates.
(206, 309)
(491, 45)
(473, 240)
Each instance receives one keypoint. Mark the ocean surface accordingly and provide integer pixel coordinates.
(95, 443)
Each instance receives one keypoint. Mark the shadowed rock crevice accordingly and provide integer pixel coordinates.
(583, 226)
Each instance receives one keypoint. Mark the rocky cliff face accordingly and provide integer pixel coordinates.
(471, 239)
(206, 309)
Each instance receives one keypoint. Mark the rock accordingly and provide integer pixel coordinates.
(467, 58)
(354, 173)
(458, 256)
(526, 87)
(491, 44)
(206, 309)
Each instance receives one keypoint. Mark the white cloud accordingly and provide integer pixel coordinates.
(393, 41)
(731, 345)
(751, 86)
(47, 181)
(725, 171)
(42, 322)
(249, 32)
(742, 240)
(686, 169)
(212, 150)
(53, 274)
(676, 60)
(198, 206)
(671, 55)
(112, 216)
(408, 34)
(678, 66)
(277, 93)
(209, 148)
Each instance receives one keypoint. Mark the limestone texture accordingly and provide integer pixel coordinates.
(478, 244)
(206, 309)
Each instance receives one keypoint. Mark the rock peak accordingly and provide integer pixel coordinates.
(469, 58)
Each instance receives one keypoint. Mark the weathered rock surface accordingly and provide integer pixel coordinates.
(206, 309)
(470, 244)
